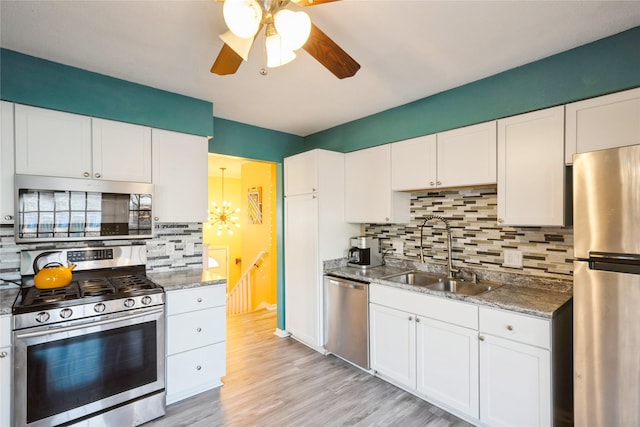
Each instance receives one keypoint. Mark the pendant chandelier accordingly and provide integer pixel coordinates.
(223, 217)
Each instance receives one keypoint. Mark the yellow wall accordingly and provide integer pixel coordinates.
(232, 193)
(260, 237)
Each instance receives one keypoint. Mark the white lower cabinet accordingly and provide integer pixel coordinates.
(196, 340)
(491, 367)
(426, 345)
(6, 366)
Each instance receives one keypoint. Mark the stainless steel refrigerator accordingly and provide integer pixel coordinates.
(606, 292)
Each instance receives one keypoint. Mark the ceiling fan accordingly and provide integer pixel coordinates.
(285, 31)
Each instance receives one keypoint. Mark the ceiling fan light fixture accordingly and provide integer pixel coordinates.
(243, 17)
(293, 27)
(277, 53)
(238, 44)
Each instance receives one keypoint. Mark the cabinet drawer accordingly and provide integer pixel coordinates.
(5, 331)
(195, 371)
(516, 327)
(196, 329)
(186, 300)
(446, 310)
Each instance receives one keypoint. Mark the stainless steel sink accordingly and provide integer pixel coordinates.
(462, 288)
(435, 283)
(416, 278)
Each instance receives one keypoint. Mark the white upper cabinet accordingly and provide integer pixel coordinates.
(603, 122)
(121, 151)
(368, 194)
(180, 177)
(531, 171)
(301, 175)
(413, 163)
(6, 163)
(53, 143)
(456, 158)
(467, 156)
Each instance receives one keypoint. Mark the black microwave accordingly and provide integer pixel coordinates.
(70, 209)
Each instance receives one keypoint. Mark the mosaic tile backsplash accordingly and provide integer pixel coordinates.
(174, 247)
(478, 240)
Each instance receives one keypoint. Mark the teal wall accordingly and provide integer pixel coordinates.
(607, 65)
(32, 81)
(242, 140)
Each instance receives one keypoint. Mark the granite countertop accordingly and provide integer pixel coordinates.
(8, 295)
(186, 279)
(536, 300)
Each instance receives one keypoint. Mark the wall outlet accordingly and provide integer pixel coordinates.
(190, 248)
(398, 247)
(512, 258)
(170, 248)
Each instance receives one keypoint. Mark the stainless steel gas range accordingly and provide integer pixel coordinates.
(90, 353)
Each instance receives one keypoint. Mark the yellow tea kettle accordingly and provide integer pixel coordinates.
(52, 275)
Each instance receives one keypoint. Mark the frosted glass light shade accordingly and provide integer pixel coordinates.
(277, 54)
(239, 45)
(243, 17)
(293, 27)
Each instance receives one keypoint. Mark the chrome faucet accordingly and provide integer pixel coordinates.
(450, 269)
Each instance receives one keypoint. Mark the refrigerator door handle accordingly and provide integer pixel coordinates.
(619, 263)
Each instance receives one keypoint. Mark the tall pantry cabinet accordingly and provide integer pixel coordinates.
(315, 231)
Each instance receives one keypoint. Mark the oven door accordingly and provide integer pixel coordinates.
(71, 371)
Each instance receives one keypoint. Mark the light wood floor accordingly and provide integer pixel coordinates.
(275, 381)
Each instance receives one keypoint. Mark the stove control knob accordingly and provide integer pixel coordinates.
(65, 313)
(129, 302)
(42, 317)
(99, 308)
(146, 300)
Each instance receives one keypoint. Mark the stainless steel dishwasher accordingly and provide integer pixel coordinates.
(347, 314)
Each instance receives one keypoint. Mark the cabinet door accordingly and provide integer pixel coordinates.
(603, 122)
(447, 364)
(180, 177)
(515, 383)
(121, 151)
(413, 164)
(52, 143)
(6, 163)
(392, 345)
(368, 185)
(467, 156)
(301, 173)
(531, 169)
(302, 270)
(195, 371)
(5, 386)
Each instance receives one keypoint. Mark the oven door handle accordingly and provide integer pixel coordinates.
(54, 328)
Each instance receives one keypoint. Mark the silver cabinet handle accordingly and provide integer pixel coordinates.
(432, 183)
(410, 318)
(510, 327)
(199, 330)
(98, 175)
(417, 319)
(3, 354)
(199, 299)
(500, 220)
(155, 218)
(86, 174)
(198, 368)
(438, 183)
(313, 190)
(8, 217)
(480, 337)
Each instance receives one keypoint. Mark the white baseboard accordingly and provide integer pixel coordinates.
(281, 333)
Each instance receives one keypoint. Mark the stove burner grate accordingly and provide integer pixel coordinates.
(132, 283)
(95, 287)
(47, 296)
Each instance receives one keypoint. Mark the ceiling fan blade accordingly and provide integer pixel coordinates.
(305, 3)
(329, 54)
(227, 61)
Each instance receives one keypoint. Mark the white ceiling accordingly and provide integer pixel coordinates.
(407, 49)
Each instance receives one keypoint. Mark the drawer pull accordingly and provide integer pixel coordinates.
(199, 299)
(410, 318)
(198, 368)
(481, 338)
(3, 354)
(510, 327)
(199, 330)
(417, 319)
